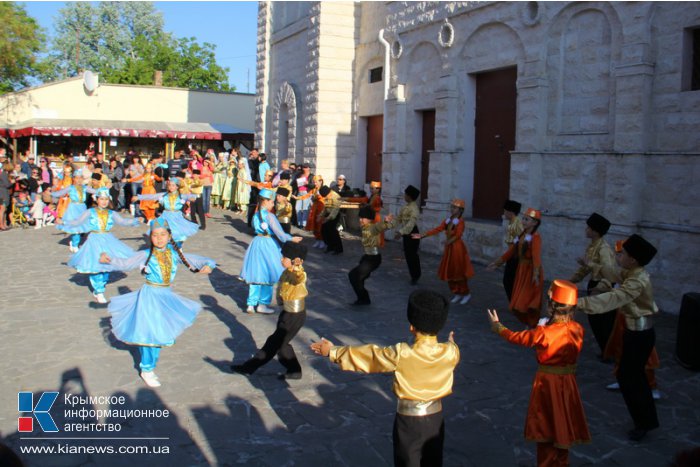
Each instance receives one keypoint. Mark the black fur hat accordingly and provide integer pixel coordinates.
(293, 250)
(366, 212)
(282, 191)
(96, 176)
(598, 223)
(412, 192)
(285, 175)
(324, 190)
(512, 206)
(427, 311)
(639, 249)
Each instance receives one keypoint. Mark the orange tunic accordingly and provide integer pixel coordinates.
(376, 203)
(455, 264)
(312, 225)
(526, 295)
(149, 188)
(65, 200)
(555, 414)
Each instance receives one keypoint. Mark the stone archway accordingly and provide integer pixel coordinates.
(284, 107)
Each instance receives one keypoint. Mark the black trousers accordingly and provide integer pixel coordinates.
(509, 275)
(361, 272)
(410, 251)
(330, 234)
(418, 441)
(197, 207)
(636, 347)
(287, 227)
(601, 324)
(288, 325)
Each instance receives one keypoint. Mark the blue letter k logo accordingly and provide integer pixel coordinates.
(25, 403)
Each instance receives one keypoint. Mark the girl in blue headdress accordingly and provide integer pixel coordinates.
(98, 221)
(173, 202)
(75, 208)
(262, 266)
(153, 316)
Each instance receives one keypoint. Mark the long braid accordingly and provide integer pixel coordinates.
(182, 256)
(145, 265)
(525, 244)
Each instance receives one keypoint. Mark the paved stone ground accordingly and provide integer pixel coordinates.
(55, 338)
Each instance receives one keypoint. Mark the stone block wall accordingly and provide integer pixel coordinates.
(602, 121)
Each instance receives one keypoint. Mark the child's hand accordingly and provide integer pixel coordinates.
(59, 221)
(493, 316)
(105, 259)
(297, 239)
(416, 236)
(451, 337)
(205, 270)
(492, 267)
(322, 348)
(389, 218)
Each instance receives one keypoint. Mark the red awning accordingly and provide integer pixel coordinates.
(116, 129)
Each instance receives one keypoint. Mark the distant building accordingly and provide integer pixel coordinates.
(65, 117)
(568, 107)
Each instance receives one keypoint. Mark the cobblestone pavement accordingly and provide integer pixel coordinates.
(56, 338)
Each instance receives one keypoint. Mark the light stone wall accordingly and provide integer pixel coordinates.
(602, 122)
(69, 100)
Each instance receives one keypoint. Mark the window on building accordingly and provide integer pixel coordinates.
(691, 59)
(375, 74)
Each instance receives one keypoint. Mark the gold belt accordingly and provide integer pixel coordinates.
(294, 306)
(155, 284)
(371, 250)
(284, 220)
(418, 408)
(264, 235)
(557, 370)
(639, 324)
(99, 231)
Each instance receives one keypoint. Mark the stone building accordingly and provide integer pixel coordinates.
(568, 107)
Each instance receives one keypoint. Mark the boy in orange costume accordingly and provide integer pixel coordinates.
(555, 417)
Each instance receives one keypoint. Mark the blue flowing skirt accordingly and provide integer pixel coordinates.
(263, 262)
(152, 316)
(180, 227)
(73, 211)
(87, 259)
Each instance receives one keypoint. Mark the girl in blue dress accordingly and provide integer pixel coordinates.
(173, 202)
(153, 316)
(76, 206)
(262, 264)
(98, 221)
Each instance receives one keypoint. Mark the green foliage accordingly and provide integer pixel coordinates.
(125, 43)
(20, 42)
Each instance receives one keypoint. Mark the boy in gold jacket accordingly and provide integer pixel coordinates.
(423, 375)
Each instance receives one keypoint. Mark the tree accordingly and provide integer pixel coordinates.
(20, 42)
(125, 43)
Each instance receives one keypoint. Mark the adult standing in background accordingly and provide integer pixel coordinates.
(135, 173)
(263, 166)
(253, 165)
(207, 181)
(115, 172)
(341, 187)
(301, 183)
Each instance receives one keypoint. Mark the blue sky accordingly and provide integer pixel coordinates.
(231, 26)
